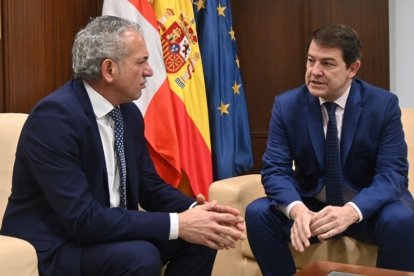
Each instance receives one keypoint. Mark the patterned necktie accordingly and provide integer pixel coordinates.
(116, 115)
(333, 174)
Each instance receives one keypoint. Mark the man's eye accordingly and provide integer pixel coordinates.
(328, 65)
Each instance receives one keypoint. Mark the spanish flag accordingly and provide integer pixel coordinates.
(174, 103)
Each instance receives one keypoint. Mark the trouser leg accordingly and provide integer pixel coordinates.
(392, 229)
(268, 232)
(183, 258)
(121, 258)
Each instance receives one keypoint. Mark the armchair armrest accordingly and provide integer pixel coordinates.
(17, 257)
(238, 191)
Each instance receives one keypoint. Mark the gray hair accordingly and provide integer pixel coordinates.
(102, 38)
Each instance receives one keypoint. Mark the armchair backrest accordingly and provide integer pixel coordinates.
(408, 125)
(10, 127)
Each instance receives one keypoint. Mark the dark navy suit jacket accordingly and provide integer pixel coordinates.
(60, 197)
(373, 149)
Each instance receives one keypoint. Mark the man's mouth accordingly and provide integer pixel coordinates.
(316, 82)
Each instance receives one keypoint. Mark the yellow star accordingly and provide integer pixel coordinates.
(223, 108)
(220, 10)
(201, 4)
(232, 34)
(238, 62)
(236, 88)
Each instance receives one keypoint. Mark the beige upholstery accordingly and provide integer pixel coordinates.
(17, 257)
(240, 191)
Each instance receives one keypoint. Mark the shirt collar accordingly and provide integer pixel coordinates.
(100, 105)
(341, 101)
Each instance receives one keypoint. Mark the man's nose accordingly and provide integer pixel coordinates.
(148, 72)
(316, 69)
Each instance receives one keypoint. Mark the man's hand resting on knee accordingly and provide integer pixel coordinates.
(211, 224)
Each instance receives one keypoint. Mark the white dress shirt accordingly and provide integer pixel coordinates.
(101, 107)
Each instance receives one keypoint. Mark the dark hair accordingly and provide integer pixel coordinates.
(342, 37)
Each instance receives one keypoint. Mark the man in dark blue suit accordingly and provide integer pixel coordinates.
(373, 203)
(65, 196)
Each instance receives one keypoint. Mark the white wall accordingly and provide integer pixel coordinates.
(401, 22)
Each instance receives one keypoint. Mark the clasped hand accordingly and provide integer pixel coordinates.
(211, 224)
(325, 224)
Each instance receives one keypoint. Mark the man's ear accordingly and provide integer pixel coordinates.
(108, 69)
(353, 68)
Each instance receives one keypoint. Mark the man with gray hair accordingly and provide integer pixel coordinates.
(82, 168)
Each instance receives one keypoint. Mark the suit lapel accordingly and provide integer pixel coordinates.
(83, 98)
(314, 121)
(350, 121)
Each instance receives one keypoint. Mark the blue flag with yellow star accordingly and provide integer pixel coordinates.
(229, 123)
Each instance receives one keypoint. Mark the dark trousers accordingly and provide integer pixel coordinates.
(391, 228)
(144, 258)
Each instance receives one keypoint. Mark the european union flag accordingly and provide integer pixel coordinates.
(229, 123)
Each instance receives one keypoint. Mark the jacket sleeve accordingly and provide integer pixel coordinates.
(277, 173)
(391, 168)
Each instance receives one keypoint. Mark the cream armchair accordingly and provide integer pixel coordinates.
(17, 257)
(240, 191)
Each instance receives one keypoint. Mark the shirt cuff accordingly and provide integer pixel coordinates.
(286, 209)
(174, 223)
(173, 226)
(357, 210)
(192, 205)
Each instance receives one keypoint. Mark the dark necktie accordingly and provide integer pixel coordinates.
(116, 115)
(333, 174)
